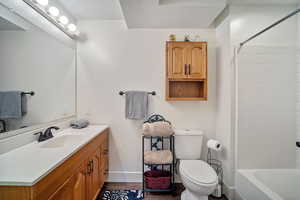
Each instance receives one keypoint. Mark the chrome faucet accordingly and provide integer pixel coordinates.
(47, 134)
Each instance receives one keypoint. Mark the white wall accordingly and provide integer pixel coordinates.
(266, 87)
(114, 58)
(224, 131)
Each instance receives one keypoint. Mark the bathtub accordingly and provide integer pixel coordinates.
(268, 184)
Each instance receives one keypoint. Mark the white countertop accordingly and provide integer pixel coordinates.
(28, 164)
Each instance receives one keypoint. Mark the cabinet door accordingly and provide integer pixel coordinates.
(74, 188)
(80, 186)
(94, 175)
(197, 61)
(177, 60)
(64, 192)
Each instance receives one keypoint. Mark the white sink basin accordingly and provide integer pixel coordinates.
(61, 141)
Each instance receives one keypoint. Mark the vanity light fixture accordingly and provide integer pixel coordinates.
(52, 14)
(64, 20)
(72, 27)
(53, 11)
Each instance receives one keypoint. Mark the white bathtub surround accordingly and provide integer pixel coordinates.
(28, 164)
(241, 21)
(113, 59)
(269, 184)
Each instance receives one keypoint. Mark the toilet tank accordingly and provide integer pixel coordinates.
(188, 144)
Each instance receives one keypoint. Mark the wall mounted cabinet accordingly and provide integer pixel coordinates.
(186, 71)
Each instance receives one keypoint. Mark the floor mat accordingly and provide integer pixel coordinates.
(122, 195)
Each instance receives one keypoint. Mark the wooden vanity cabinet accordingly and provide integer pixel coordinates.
(186, 71)
(80, 177)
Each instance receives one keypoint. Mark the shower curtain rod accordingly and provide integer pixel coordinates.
(271, 26)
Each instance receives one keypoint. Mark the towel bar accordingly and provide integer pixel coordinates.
(152, 93)
(31, 93)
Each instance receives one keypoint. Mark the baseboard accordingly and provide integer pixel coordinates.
(124, 176)
(228, 192)
(238, 196)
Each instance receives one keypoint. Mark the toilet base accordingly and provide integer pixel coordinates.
(186, 195)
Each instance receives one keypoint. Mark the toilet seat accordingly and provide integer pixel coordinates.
(198, 172)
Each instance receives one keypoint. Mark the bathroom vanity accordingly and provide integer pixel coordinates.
(71, 166)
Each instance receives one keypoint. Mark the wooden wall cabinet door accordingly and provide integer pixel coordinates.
(197, 61)
(177, 54)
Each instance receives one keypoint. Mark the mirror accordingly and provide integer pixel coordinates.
(32, 60)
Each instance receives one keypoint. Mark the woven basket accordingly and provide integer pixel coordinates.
(158, 179)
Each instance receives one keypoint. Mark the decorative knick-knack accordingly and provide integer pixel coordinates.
(172, 37)
(187, 38)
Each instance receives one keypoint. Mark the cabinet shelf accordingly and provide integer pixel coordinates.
(171, 189)
(187, 99)
(187, 90)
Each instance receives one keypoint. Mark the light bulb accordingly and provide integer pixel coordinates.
(53, 11)
(72, 27)
(64, 20)
(42, 2)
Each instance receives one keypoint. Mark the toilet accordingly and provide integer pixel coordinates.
(198, 178)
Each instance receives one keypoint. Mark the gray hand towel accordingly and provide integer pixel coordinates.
(13, 105)
(79, 124)
(136, 105)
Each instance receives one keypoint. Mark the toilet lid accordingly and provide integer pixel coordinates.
(198, 171)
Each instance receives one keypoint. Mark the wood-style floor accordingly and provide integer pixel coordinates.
(138, 186)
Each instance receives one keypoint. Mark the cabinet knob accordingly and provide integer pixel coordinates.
(105, 151)
(185, 69)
